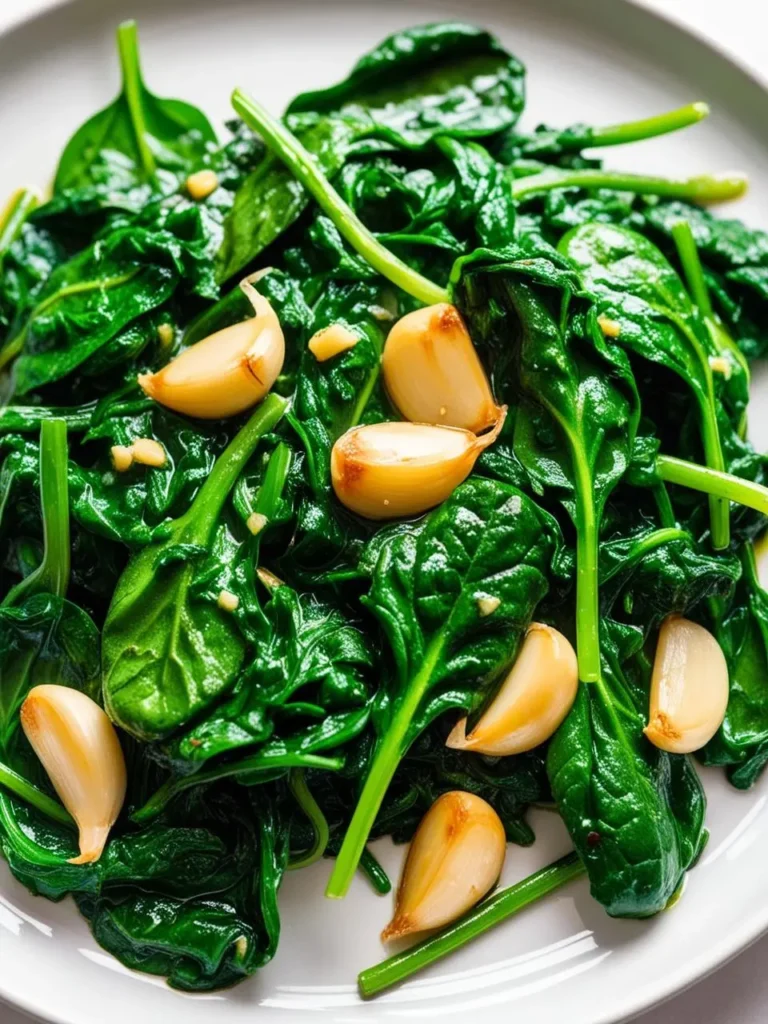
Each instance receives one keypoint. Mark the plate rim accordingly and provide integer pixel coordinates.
(722, 952)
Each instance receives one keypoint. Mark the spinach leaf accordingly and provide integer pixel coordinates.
(635, 813)
(641, 292)
(167, 653)
(89, 301)
(447, 78)
(487, 539)
(203, 939)
(311, 664)
(136, 136)
(741, 628)
(270, 199)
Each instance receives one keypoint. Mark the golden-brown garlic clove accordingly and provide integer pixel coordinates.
(433, 373)
(227, 372)
(455, 858)
(689, 687)
(533, 700)
(79, 749)
(386, 470)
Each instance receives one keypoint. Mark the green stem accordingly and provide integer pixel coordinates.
(133, 89)
(385, 761)
(685, 243)
(711, 481)
(649, 127)
(644, 546)
(30, 794)
(258, 762)
(375, 873)
(196, 524)
(303, 165)
(587, 600)
(480, 919)
(720, 527)
(52, 575)
(17, 209)
(704, 189)
(690, 261)
(271, 490)
(15, 345)
(301, 791)
(367, 389)
(719, 513)
(664, 505)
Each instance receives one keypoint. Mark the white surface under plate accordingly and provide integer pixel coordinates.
(597, 61)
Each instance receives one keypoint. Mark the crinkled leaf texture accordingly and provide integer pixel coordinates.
(488, 540)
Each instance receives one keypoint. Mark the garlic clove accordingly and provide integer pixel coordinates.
(331, 341)
(689, 687)
(533, 700)
(385, 470)
(148, 452)
(227, 372)
(433, 373)
(455, 858)
(202, 183)
(122, 457)
(79, 749)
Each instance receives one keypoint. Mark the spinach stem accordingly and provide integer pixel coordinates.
(302, 164)
(258, 762)
(30, 794)
(480, 919)
(664, 505)
(648, 127)
(21, 203)
(688, 254)
(128, 50)
(367, 389)
(712, 481)
(301, 791)
(375, 873)
(52, 575)
(719, 515)
(385, 761)
(644, 546)
(195, 525)
(707, 188)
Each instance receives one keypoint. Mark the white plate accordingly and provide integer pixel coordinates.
(598, 61)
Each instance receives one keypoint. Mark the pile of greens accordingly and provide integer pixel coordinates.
(617, 319)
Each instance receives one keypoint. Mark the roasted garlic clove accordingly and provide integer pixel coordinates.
(331, 341)
(533, 700)
(455, 858)
(385, 470)
(689, 687)
(79, 749)
(227, 372)
(433, 373)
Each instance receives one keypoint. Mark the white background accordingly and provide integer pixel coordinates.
(738, 993)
